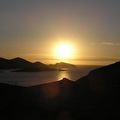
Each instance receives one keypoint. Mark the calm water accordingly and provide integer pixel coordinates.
(36, 78)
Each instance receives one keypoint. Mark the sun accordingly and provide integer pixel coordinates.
(64, 51)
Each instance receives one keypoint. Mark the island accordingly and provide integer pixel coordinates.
(62, 65)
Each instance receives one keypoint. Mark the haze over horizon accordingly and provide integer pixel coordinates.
(34, 30)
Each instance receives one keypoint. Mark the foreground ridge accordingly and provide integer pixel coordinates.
(95, 96)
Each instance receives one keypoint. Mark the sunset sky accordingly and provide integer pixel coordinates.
(35, 29)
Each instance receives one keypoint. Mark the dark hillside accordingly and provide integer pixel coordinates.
(93, 97)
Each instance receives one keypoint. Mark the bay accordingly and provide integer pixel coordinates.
(36, 78)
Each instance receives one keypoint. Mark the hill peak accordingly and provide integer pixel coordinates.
(65, 80)
(18, 58)
(62, 65)
(1, 59)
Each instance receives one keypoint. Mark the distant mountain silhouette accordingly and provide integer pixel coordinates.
(23, 65)
(62, 65)
(36, 68)
(93, 97)
(3, 60)
(13, 63)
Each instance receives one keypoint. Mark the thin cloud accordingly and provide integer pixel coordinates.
(92, 43)
(111, 43)
(97, 59)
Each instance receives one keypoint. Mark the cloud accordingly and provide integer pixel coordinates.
(111, 43)
(96, 59)
(92, 43)
(93, 59)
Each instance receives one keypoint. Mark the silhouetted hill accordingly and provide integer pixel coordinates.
(105, 77)
(3, 60)
(62, 65)
(14, 63)
(4, 63)
(38, 64)
(35, 69)
(23, 65)
(97, 95)
(93, 97)
(19, 60)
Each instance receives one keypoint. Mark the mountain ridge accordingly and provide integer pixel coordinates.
(23, 65)
(26, 66)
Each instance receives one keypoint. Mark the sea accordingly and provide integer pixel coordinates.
(36, 78)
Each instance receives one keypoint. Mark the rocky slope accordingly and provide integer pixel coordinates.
(93, 97)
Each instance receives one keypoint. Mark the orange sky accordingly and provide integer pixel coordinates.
(34, 29)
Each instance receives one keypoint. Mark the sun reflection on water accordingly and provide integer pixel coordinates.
(63, 74)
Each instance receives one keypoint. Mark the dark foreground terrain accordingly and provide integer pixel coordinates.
(93, 97)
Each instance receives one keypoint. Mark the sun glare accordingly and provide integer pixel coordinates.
(64, 51)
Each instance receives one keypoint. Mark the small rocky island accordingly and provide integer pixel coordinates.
(62, 65)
